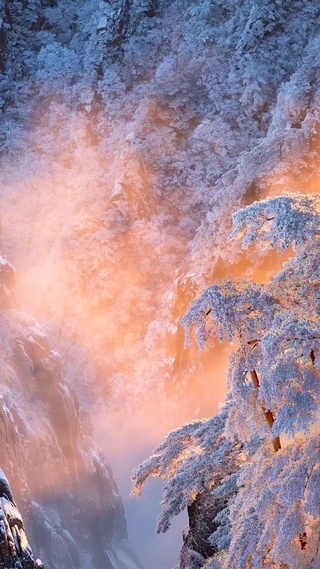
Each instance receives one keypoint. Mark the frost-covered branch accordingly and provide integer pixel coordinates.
(228, 309)
(195, 457)
(275, 516)
(276, 326)
(289, 219)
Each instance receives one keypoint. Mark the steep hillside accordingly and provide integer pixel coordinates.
(62, 483)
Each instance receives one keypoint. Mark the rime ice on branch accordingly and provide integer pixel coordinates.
(291, 219)
(275, 366)
(185, 461)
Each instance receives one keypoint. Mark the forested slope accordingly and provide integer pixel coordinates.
(130, 130)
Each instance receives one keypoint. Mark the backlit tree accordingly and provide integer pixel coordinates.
(274, 395)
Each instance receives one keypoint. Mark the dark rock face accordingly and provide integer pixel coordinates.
(63, 485)
(15, 552)
(7, 282)
(5, 27)
(127, 17)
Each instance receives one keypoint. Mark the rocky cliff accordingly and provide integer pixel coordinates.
(15, 552)
(62, 483)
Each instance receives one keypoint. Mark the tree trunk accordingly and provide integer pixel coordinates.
(267, 413)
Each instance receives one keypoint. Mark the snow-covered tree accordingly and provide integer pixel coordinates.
(276, 325)
(274, 380)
